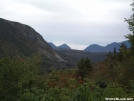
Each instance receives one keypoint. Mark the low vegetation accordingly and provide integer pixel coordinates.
(21, 80)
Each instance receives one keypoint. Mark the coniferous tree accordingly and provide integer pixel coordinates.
(81, 66)
(109, 55)
(130, 22)
(84, 67)
(128, 65)
(122, 46)
(88, 65)
(120, 54)
(114, 52)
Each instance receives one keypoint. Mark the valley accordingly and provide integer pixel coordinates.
(31, 69)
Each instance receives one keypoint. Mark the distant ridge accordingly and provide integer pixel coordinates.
(107, 48)
(63, 46)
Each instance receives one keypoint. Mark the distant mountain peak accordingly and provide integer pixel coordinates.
(107, 48)
(63, 46)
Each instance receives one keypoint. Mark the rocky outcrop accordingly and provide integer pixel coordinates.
(24, 39)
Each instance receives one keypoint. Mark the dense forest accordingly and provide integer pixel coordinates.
(21, 78)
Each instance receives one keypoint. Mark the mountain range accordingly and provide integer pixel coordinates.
(107, 48)
(96, 47)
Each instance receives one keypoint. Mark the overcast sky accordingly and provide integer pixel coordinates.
(78, 23)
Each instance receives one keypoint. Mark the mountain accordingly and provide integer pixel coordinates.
(21, 39)
(107, 48)
(63, 46)
(94, 48)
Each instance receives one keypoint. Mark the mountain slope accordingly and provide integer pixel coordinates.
(108, 48)
(73, 56)
(52, 45)
(17, 37)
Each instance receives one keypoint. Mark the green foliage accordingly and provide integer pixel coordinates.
(84, 67)
(101, 83)
(82, 93)
(33, 94)
(20, 82)
(130, 22)
(132, 88)
(124, 61)
(16, 75)
(114, 90)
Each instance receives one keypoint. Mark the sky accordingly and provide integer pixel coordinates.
(78, 23)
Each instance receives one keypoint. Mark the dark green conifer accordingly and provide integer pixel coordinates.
(84, 67)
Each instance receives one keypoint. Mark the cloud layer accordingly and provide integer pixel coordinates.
(78, 23)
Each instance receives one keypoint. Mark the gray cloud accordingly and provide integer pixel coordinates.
(75, 22)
